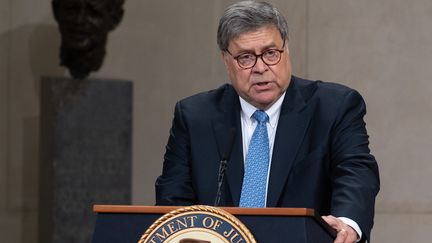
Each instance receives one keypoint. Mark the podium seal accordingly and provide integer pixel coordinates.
(197, 224)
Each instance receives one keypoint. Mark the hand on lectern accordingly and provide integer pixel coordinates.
(345, 234)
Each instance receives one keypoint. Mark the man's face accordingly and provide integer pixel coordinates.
(262, 84)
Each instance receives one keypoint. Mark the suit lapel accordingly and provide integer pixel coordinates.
(229, 118)
(292, 126)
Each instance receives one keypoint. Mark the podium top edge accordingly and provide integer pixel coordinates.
(233, 210)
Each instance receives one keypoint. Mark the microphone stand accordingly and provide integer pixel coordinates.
(221, 175)
(223, 164)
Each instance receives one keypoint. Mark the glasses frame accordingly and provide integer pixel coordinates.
(258, 56)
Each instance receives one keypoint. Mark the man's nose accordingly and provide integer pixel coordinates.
(260, 66)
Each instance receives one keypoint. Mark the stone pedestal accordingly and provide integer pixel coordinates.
(86, 134)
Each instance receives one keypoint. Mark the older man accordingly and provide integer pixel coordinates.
(289, 142)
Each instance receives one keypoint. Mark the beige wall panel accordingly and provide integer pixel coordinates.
(10, 227)
(9, 223)
(402, 228)
(383, 49)
(296, 13)
(168, 49)
(33, 52)
(18, 226)
(4, 57)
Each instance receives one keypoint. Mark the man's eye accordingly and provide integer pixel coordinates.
(270, 53)
(247, 56)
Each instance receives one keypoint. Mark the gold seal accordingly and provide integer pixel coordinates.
(197, 224)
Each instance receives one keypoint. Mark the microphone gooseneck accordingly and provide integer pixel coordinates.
(223, 165)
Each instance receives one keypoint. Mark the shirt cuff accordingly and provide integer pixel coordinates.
(353, 225)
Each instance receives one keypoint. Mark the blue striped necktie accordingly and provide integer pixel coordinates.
(256, 167)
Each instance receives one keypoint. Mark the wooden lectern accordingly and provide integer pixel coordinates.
(120, 224)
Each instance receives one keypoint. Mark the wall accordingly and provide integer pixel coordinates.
(383, 49)
(168, 48)
(28, 49)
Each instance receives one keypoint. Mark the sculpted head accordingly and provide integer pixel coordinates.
(84, 26)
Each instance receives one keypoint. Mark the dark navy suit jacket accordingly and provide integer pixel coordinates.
(320, 158)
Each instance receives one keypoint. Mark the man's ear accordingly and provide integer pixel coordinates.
(287, 47)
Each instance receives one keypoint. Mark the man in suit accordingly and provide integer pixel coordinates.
(315, 143)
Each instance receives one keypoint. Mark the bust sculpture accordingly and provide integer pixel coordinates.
(84, 27)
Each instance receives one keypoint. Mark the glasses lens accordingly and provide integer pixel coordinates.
(246, 60)
(271, 57)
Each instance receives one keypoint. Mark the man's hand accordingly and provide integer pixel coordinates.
(345, 234)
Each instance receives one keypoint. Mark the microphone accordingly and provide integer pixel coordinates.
(223, 164)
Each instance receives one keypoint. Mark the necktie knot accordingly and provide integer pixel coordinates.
(260, 116)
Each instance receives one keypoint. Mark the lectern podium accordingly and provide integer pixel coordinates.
(123, 224)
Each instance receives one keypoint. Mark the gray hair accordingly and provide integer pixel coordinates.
(248, 16)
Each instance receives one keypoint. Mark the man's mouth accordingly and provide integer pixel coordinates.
(262, 83)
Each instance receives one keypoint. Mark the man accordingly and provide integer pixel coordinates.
(289, 142)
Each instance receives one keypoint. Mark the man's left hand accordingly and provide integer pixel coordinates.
(345, 234)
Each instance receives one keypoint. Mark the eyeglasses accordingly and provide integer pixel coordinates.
(248, 60)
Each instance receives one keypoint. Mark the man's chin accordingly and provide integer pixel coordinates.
(263, 102)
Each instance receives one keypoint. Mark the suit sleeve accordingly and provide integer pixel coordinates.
(174, 186)
(354, 171)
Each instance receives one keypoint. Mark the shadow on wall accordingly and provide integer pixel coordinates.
(33, 51)
(44, 60)
(44, 53)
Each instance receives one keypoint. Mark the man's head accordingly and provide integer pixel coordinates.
(253, 38)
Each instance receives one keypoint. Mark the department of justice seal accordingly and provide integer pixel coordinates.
(197, 224)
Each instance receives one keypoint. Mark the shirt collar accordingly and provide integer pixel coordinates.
(273, 112)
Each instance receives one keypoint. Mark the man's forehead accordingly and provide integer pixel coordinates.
(263, 37)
